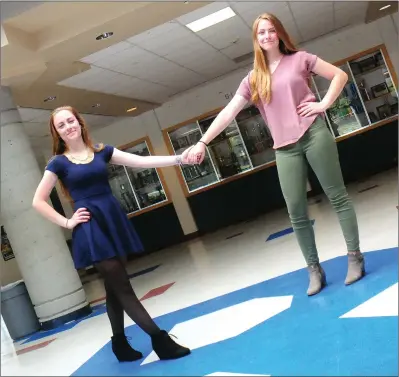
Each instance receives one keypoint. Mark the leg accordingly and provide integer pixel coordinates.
(322, 154)
(120, 346)
(292, 171)
(117, 281)
(114, 311)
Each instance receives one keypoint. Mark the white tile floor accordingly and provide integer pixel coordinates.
(212, 266)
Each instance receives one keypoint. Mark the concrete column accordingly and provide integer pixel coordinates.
(39, 246)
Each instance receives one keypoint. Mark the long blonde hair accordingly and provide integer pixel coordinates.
(260, 79)
(59, 146)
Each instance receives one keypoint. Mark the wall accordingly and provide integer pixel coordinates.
(209, 96)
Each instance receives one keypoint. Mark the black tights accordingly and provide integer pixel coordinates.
(120, 297)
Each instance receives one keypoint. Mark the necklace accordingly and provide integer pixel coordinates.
(79, 159)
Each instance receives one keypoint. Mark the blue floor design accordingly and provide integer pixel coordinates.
(282, 233)
(307, 339)
(97, 310)
(143, 272)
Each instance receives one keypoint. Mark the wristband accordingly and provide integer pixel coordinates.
(203, 142)
(178, 160)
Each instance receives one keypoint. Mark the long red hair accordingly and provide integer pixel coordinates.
(59, 146)
(260, 80)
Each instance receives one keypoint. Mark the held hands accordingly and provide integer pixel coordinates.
(310, 108)
(196, 153)
(80, 216)
(188, 156)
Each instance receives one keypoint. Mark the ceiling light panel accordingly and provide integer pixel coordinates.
(210, 20)
(199, 13)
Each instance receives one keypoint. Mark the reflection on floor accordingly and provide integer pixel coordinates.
(238, 299)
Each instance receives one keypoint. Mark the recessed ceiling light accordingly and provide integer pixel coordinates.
(131, 109)
(212, 19)
(385, 7)
(51, 98)
(105, 35)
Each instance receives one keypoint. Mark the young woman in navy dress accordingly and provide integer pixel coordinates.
(102, 235)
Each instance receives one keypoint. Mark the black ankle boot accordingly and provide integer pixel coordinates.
(166, 348)
(122, 349)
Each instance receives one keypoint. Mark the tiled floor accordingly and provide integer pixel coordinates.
(237, 298)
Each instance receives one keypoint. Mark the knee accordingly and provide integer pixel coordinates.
(339, 199)
(298, 214)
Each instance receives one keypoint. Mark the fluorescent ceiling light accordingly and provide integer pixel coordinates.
(385, 7)
(212, 19)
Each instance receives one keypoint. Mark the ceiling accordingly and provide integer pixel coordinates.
(50, 49)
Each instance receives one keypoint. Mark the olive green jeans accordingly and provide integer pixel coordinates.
(318, 147)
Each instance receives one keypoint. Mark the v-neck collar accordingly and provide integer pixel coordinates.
(278, 65)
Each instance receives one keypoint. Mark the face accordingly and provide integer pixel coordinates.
(67, 126)
(267, 35)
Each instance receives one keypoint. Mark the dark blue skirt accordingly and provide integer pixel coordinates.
(107, 234)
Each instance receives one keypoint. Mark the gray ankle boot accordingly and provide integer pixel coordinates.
(356, 268)
(317, 279)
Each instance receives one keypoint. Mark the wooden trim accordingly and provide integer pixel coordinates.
(359, 54)
(384, 50)
(168, 200)
(233, 178)
(136, 142)
(390, 66)
(148, 209)
(367, 128)
(338, 139)
(193, 120)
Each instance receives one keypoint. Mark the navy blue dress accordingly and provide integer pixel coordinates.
(109, 232)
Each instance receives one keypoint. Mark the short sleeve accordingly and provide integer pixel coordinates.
(310, 61)
(54, 165)
(108, 152)
(244, 88)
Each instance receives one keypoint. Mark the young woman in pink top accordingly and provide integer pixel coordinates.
(279, 86)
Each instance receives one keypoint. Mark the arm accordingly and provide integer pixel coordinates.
(338, 80)
(128, 159)
(224, 118)
(41, 197)
(40, 204)
(337, 77)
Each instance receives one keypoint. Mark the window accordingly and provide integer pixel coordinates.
(368, 97)
(244, 144)
(136, 188)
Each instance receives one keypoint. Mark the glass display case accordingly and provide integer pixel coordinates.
(377, 89)
(368, 97)
(227, 150)
(195, 176)
(136, 188)
(256, 136)
(243, 145)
